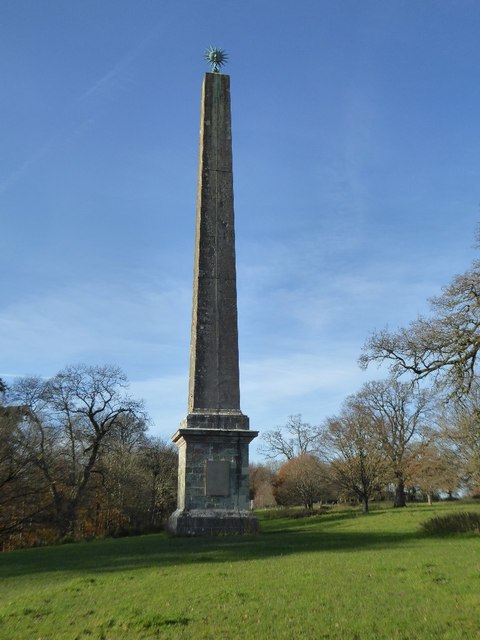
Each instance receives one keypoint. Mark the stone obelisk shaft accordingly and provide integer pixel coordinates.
(214, 376)
(213, 440)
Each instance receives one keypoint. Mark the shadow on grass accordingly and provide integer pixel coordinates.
(277, 538)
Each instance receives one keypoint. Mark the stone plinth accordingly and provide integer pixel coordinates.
(211, 522)
(213, 487)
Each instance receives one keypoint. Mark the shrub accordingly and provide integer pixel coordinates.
(461, 522)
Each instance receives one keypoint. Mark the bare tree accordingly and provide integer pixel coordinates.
(69, 418)
(397, 413)
(159, 462)
(302, 480)
(444, 346)
(357, 460)
(261, 484)
(433, 468)
(460, 431)
(21, 488)
(12, 457)
(294, 439)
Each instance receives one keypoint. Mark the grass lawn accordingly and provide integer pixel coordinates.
(340, 576)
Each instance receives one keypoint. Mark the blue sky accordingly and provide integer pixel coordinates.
(357, 185)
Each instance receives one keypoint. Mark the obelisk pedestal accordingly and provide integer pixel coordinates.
(213, 440)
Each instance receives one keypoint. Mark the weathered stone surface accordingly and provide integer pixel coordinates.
(214, 376)
(196, 448)
(213, 440)
(210, 522)
(217, 478)
(217, 420)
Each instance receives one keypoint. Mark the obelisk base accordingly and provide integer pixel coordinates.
(211, 522)
(213, 487)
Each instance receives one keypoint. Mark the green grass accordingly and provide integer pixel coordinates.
(339, 575)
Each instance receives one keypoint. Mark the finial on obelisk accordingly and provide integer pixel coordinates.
(216, 57)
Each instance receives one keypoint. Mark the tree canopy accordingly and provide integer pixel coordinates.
(295, 438)
(443, 346)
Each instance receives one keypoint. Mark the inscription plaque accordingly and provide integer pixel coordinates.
(217, 478)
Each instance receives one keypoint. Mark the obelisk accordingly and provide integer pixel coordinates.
(213, 440)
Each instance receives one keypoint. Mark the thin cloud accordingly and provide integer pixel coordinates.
(109, 81)
(100, 321)
(10, 179)
(110, 86)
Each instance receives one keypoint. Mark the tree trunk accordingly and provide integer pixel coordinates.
(65, 520)
(400, 499)
(429, 497)
(153, 500)
(364, 505)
